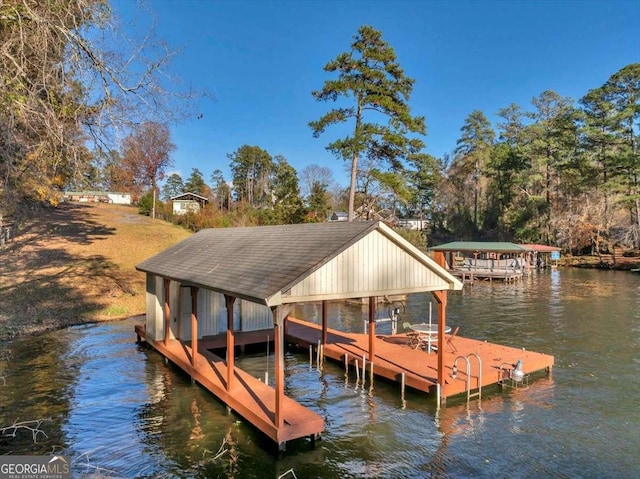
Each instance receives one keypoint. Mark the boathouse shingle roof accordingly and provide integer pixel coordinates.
(256, 263)
(253, 261)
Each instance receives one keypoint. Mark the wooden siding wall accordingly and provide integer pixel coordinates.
(174, 305)
(155, 317)
(208, 313)
(212, 315)
(255, 316)
(375, 261)
(209, 305)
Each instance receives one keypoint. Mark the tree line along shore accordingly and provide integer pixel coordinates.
(75, 264)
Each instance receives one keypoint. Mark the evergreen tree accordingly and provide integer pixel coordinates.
(196, 184)
(174, 186)
(599, 140)
(551, 148)
(286, 193)
(373, 86)
(318, 201)
(508, 199)
(624, 90)
(314, 174)
(473, 152)
(252, 168)
(221, 189)
(424, 180)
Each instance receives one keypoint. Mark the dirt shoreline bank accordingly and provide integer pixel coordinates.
(75, 264)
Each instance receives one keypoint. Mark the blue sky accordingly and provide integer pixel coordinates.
(261, 59)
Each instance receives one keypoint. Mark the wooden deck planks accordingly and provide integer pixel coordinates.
(249, 397)
(393, 357)
(255, 401)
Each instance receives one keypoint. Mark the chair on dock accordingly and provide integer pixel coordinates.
(451, 338)
(412, 336)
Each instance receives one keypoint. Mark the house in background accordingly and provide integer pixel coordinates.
(364, 213)
(413, 223)
(339, 216)
(98, 197)
(188, 202)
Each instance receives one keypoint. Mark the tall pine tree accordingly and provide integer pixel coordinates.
(373, 87)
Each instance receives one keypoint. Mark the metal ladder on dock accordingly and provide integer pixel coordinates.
(470, 394)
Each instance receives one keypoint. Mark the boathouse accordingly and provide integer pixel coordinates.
(486, 260)
(541, 255)
(229, 286)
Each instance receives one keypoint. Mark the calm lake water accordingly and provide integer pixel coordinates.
(116, 409)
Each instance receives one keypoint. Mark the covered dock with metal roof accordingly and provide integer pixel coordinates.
(234, 281)
(487, 260)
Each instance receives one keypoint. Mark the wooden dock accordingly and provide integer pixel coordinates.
(470, 275)
(393, 358)
(249, 397)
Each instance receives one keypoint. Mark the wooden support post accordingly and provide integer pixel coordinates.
(167, 310)
(194, 325)
(441, 298)
(229, 300)
(324, 321)
(279, 314)
(279, 370)
(372, 326)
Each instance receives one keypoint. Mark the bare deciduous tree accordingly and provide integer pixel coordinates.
(314, 174)
(68, 73)
(147, 155)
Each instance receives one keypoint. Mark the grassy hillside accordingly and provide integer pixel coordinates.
(76, 264)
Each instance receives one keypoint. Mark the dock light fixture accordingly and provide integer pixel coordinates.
(455, 371)
(518, 374)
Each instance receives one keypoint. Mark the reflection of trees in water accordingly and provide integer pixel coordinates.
(39, 377)
(188, 425)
